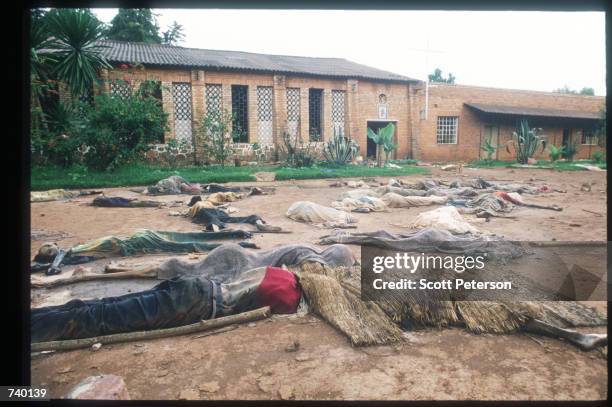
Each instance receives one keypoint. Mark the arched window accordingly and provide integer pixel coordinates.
(382, 106)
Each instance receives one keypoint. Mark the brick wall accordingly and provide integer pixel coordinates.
(415, 135)
(448, 100)
(361, 102)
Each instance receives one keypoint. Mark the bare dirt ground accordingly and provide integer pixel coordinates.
(252, 361)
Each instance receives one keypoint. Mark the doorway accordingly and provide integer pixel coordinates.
(491, 135)
(566, 138)
(375, 126)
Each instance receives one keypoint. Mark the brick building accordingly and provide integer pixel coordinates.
(315, 97)
(460, 119)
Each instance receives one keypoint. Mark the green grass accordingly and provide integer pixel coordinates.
(542, 164)
(490, 163)
(571, 165)
(344, 172)
(43, 178)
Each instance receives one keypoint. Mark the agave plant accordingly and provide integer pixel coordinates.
(384, 142)
(526, 141)
(340, 149)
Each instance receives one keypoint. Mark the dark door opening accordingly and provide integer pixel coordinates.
(566, 138)
(240, 119)
(371, 146)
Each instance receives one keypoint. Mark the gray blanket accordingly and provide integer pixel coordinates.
(229, 260)
(429, 240)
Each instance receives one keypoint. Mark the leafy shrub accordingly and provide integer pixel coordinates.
(175, 150)
(555, 152)
(119, 130)
(59, 141)
(599, 156)
(217, 136)
(258, 153)
(571, 149)
(340, 149)
(489, 149)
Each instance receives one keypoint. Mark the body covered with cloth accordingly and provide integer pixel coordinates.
(229, 280)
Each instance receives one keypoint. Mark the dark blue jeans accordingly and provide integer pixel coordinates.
(175, 302)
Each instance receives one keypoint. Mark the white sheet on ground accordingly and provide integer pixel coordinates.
(310, 212)
(366, 202)
(398, 201)
(359, 193)
(446, 217)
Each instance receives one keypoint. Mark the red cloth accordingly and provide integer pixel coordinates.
(504, 195)
(544, 188)
(279, 290)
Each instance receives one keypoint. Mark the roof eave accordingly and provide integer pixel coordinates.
(254, 70)
(533, 114)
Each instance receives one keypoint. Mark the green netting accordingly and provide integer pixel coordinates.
(147, 241)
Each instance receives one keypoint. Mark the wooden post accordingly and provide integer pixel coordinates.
(204, 325)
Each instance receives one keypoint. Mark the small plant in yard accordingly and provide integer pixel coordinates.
(526, 141)
(315, 136)
(555, 152)
(217, 136)
(599, 156)
(60, 143)
(388, 147)
(297, 152)
(571, 149)
(258, 153)
(340, 149)
(174, 150)
(384, 142)
(489, 150)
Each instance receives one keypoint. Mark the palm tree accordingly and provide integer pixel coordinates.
(39, 69)
(72, 41)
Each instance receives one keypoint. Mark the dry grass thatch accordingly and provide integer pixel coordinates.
(334, 294)
(363, 322)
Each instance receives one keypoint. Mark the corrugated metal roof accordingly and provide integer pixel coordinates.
(169, 55)
(533, 111)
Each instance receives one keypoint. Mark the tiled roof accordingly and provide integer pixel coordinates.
(168, 55)
(533, 111)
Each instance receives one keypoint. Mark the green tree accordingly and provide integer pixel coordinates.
(217, 135)
(437, 76)
(137, 24)
(565, 89)
(72, 39)
(588, 91)
(62, 49)
(173, 35)
(583, 91)
(40, 66)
